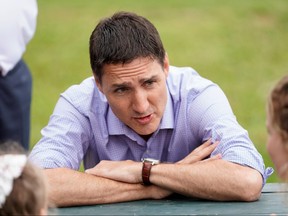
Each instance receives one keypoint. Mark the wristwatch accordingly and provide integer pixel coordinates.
(146, 168)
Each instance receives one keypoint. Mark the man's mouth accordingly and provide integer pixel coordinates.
(144, 120)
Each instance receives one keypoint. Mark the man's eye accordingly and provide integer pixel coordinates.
(149, 82)
(121, 90)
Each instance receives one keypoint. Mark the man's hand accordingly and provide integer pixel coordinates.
(200, 153)
(125, 171)
(131, 172)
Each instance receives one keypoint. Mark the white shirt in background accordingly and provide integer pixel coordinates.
(17, 27)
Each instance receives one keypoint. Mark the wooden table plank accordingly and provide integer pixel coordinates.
(275, 188)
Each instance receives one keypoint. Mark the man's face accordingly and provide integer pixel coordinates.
(136, 92)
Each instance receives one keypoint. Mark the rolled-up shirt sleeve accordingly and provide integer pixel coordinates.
(215, 118)
(64, 140)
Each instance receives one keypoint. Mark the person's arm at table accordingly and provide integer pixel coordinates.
(72, 188)
(69, 187)
(203, 179)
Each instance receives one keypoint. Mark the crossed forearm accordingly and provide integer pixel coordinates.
(213, 180)
(72, 188)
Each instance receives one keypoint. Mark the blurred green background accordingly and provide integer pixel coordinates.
(240, 45)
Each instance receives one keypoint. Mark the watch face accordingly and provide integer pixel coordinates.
(151, 160)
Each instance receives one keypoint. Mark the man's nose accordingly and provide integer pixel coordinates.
(140, 102)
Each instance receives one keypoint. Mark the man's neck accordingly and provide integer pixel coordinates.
(146, 137)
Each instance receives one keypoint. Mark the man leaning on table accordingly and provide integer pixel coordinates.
(144, 129)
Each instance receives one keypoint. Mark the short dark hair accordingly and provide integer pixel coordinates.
(121, 39)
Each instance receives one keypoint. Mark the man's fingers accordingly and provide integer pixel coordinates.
(91, 171)
(200, 152)
(215, 157)
(203, 146)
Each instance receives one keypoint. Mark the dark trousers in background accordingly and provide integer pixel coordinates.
(15, 103)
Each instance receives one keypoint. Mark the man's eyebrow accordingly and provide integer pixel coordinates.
(127, 84)
(119, 85)
(149, 78)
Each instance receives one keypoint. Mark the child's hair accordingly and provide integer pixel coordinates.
(29, 190)
(278, 107)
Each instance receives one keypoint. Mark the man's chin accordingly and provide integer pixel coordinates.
(145, 132)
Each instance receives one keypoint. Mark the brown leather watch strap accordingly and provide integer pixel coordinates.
(146, 168)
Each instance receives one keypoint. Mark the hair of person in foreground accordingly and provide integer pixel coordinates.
(23, 188)
(277, 127)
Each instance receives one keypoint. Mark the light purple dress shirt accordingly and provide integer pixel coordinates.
(83, 127)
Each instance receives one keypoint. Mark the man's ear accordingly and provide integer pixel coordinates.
(98, 83)
(166, 65)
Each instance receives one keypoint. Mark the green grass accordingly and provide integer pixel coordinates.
(241, 45)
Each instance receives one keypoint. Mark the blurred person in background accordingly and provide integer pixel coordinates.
(277, 127)
(17, 27)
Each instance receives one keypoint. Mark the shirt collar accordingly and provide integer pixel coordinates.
(117, 127)
(167, 121)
